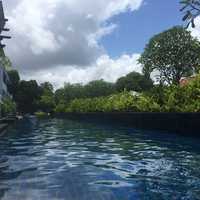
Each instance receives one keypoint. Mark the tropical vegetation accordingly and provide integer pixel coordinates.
(170, 56)
(7, 106)
(174, 98)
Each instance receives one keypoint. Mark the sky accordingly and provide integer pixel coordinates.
(78, 41)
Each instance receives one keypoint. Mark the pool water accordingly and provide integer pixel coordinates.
(59, 159)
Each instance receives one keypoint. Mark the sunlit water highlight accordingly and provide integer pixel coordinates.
(65, 160)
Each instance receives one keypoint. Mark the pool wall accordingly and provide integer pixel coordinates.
(184, 123)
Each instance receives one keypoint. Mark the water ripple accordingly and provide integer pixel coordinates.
(60, 159)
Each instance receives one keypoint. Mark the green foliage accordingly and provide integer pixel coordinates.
(13, 83)
(5, 61)
(173, 54)
(69, 92)
(172, 98)
(7, 106)
(46, 88)
(99, 88)
(60, 108)
(183, 99)
(27, 97)
(122, 102)
(134, 82)
(76, 91)
(47, 103)
(41, 114)
(100, 96)
(47, 100)
(59, 96)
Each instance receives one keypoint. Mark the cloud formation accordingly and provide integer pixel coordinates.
(53, 36)
(104, 68)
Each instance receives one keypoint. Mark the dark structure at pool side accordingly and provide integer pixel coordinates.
(183, 123)
(4, 79)
(3, 21)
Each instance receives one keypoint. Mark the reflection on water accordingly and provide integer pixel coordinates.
(65, 160)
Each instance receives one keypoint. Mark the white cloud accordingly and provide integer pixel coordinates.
(93, 38)
(55, 37)
(104, 68)
(29, 21)
(196, 31)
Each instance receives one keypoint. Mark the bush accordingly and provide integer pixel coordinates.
(60, 108)
(172, 98)
(7, 106)
(183, 98)
(122, 102)
(41, 114)
(47, 103)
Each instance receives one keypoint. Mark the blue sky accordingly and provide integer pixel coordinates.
(136, 28)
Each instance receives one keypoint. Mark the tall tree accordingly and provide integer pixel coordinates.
(134, 81)
(60, 96)
(13, 83)
(28, 94)
(72, 91)
(47, 88)
(99, 88)
(47, 99)
(172, 54)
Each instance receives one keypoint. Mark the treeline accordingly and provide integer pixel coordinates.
(31, 97)
(172, 98)
(168, 57)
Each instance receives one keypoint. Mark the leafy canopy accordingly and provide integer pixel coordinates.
(171, 54)
(76, 91)
(134, 82)
(47, 100)
(99, 88)
(28, 94)
(13, 84)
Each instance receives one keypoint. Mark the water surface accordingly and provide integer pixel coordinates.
(67, 160)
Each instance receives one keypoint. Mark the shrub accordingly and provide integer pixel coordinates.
(122, 102)
(177, 98)
(172, 98)
(7, 106)
(41, 114)
(60, 108)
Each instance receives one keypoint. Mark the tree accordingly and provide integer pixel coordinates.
(134, 81)
(13, 83)
(46, 103)
(192, 10)
(172, 54)
(59, 96)
(47, 100)
(28, 94)
(7, 106)
(47, 88)
(99, 88)
(76, 91)
(73, 91)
